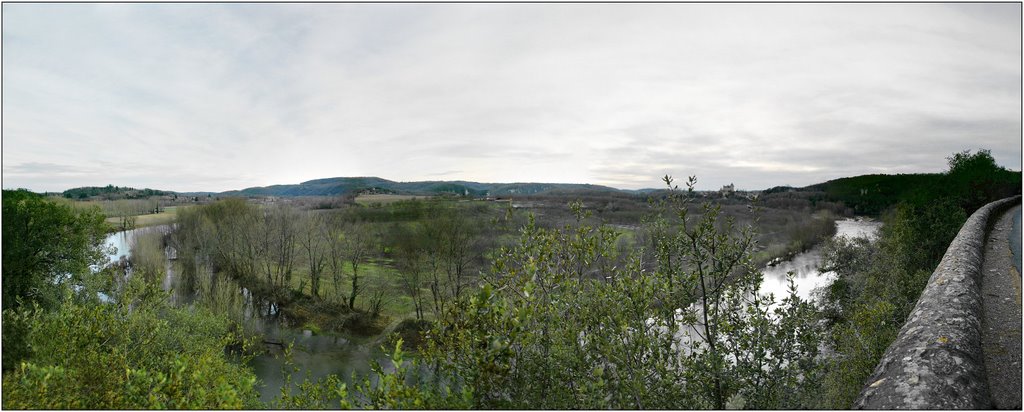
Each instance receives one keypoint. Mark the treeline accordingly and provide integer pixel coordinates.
(111, 192)
(124, 207)
(124, 210)
(879, 282)
(971, 181)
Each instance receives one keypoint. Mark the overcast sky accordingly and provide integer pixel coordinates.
(213, 97)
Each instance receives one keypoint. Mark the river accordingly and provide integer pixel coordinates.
(806, 276)
(122, 241)
(315, 355)
(805, 265)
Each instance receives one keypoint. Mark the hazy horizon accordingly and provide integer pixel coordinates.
(678, 181)
(218, 97)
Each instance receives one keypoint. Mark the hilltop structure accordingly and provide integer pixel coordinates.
(727, 190)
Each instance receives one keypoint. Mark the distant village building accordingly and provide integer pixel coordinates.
(727, 190)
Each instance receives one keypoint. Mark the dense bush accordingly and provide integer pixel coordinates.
(135, 354)
(559, 324)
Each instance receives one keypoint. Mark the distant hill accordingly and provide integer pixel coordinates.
(111, 192)
(335, 186)
(871, 194)
(865, 194)
(341, 185)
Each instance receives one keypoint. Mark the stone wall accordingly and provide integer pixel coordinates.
(936, 361)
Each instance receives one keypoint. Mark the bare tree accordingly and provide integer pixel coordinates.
(359, 247)
(335, 249)
(281, 229)
(411, 260)
(380, 295)
(314, 240)
(450, 255)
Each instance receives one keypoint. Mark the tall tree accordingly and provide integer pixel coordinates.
(334, 236)
(280, 235)
(451, 240)
(975, 178)
(359, 246)
(314, 239)
(46, 244)
(411, 260)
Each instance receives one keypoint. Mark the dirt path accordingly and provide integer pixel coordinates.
(1015, 239)
(1001, 323)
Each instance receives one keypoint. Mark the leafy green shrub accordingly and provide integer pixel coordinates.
(138, 354)
(411, 331)
(561, 324)
(312, 327)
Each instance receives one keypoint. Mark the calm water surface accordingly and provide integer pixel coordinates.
(805, 265)
(122, 241)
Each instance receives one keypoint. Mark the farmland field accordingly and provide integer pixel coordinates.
(384, 198)
(167, 216)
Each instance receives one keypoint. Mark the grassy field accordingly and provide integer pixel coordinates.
(154, 219)
(370, 274)
(384, 198)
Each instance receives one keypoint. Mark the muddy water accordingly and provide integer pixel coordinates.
(315, 356)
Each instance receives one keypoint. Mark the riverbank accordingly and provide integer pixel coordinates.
(800, 239)
(805, 265)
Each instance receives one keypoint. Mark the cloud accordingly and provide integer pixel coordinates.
(223, 96)
(445, 173)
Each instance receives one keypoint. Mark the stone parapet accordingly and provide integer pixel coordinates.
(936, 360)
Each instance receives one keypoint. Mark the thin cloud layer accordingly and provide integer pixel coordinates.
(224, 96)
